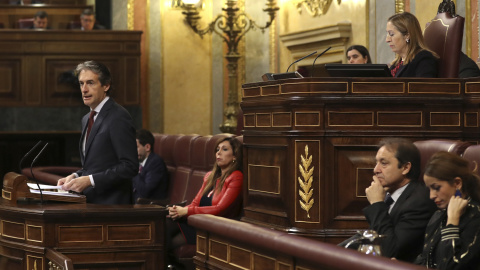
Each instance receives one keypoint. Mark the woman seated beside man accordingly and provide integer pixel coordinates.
(413, 58)
(452, 238)
(220, 194)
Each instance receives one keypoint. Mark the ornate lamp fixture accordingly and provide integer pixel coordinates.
(315, 7)
(231, 26)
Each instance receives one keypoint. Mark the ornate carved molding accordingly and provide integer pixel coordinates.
(305, 182)
(315, 7)
(399, 6)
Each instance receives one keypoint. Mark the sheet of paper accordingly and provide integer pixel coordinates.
(61, 193)
(34, 186)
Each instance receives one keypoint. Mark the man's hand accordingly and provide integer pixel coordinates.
(375, 192)
(75, 184)
(62, 181)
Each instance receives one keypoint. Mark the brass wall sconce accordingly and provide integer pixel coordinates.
(232, 25)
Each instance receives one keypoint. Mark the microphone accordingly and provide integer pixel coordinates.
(301, 59)
(313, 65)
(26, 155)
(33, 176)
(286, 75)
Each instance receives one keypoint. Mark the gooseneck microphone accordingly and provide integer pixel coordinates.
(26, 155)
(313, 65)
(33, 176)
(296, 61)
(286, 75)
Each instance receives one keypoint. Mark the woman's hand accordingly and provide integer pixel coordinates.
(456, 208)
(175, 212)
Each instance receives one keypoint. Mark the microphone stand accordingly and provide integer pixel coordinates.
(33, 175)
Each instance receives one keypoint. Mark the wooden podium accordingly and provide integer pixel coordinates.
(310, 144)
(85, 236)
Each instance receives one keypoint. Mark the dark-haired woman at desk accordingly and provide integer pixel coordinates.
(358, 54)
(452, 238)
(413, 58)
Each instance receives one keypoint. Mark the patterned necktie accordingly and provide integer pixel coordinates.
(388, 199)
(90, 122)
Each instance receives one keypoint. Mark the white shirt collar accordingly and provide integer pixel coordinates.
(100, 106)
(144, 161)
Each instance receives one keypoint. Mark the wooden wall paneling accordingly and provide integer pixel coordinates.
(37, 65)
(10, 76)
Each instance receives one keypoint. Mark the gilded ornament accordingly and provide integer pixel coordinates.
(314, 7)
(306, 190)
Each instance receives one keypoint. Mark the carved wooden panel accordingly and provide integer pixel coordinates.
(37, 66)
(341, 120)
(10, 74)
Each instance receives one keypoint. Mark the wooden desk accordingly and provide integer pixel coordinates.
(337, 122)
(92, 236)
(36, 66)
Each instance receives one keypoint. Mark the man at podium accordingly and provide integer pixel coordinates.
(108, 148)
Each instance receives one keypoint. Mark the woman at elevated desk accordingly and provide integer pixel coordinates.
(358, 54)
(452, 238)
(413, 58)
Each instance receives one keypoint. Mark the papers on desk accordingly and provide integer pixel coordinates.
(42, 187)
(47, 190)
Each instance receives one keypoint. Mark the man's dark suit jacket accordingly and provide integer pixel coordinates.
(405, 226)
(110, 155)
(424, 65)
(467, 67)
(152, 181)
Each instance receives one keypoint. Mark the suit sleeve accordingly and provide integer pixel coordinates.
(427, 65)
(153, 177)
(125, 161)
(230, 191)
(408, 228)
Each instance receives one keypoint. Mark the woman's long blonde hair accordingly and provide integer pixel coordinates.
(407, 23)
(234, 166)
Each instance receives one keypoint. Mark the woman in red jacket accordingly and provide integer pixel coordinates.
(220, 194)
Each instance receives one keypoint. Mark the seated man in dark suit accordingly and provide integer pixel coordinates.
(403, 220)
(468, 68)
(400, 207)
(40, 20)
(87, 19)
(151, 182)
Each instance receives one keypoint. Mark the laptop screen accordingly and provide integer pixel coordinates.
(358, 70)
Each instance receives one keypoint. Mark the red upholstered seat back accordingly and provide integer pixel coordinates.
(179, 183)
(472, 154)
(444, 36)
(25, 23)
(164, 145)
(199, 166)
(74, 25)
(429, 147)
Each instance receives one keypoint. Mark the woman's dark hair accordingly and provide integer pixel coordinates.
(446, 166)
(234, 166)
(362, 50)
(405, 152)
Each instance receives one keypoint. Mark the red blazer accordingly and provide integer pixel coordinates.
(227, 203)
